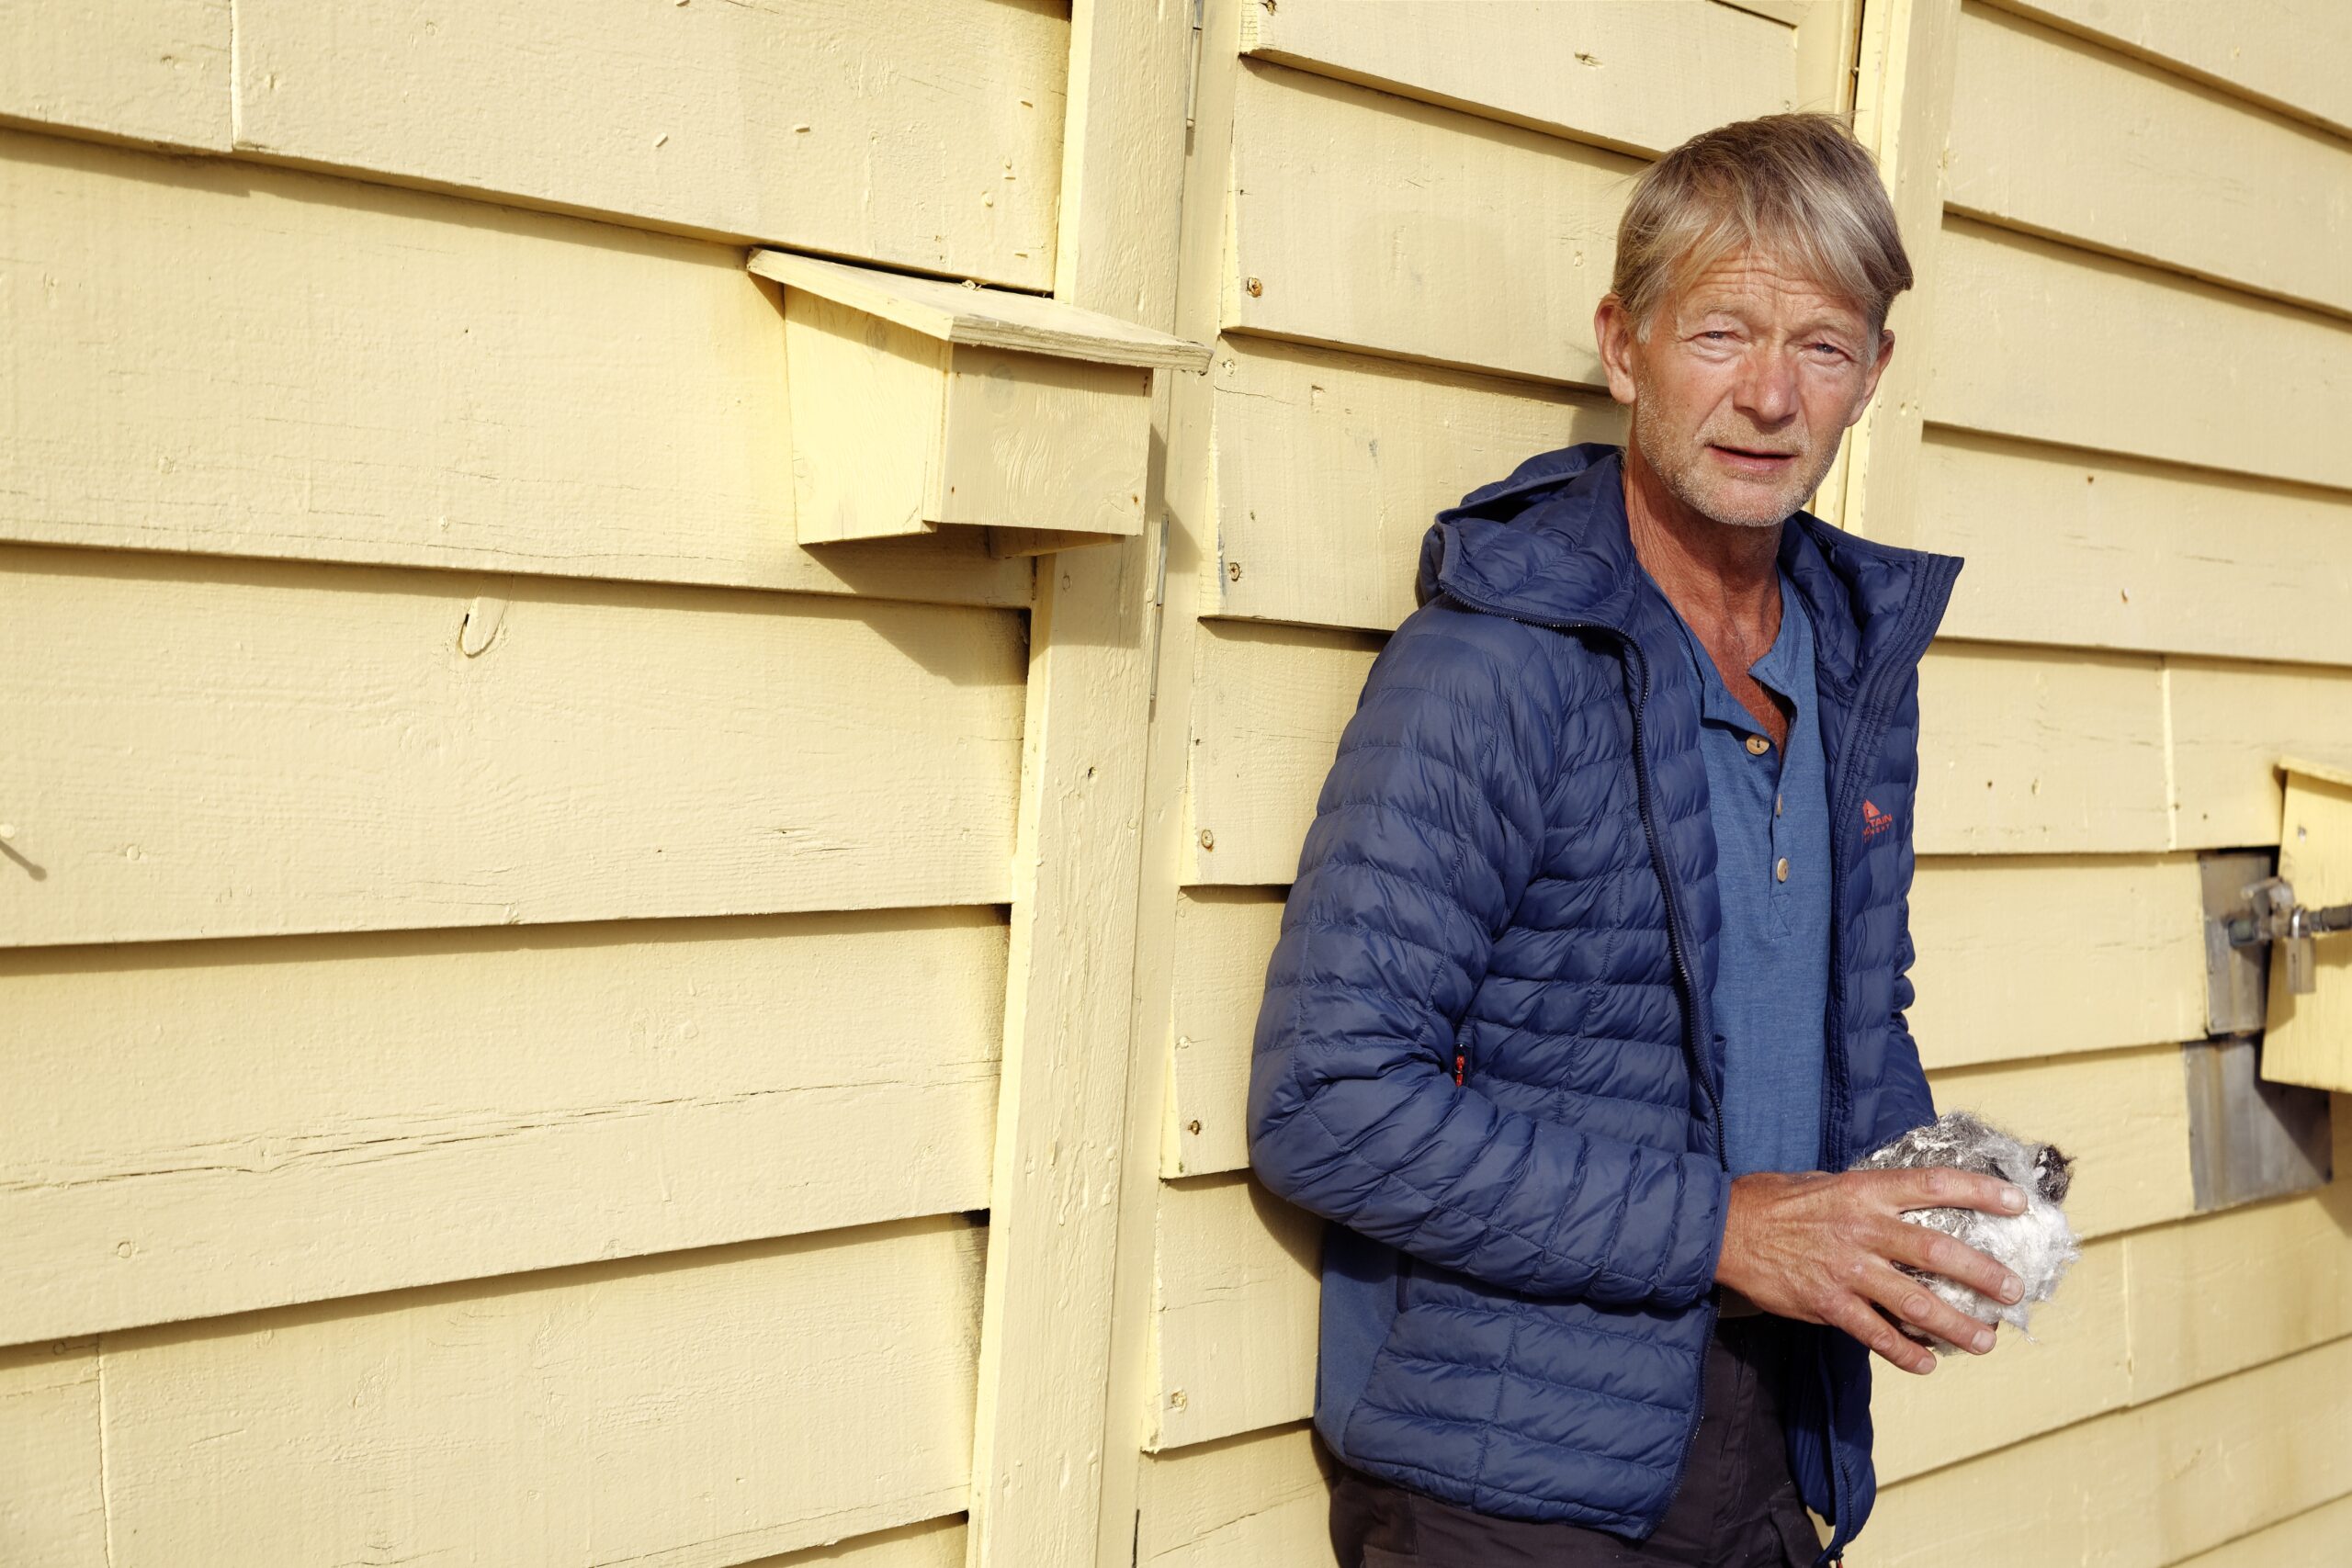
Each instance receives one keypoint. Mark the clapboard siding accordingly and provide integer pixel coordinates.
(2111, 948)
(247, 361)
(227, 1126)
(144, 70)
(2288, 53)
(2230, 725)
(700, 1410)
(2141, 1487)
(1233, 1330)
(2312, 1539)
(935, 1543)
(1596, 72)
(2023, 753)
(1327, 468)
(2057, 344)
(52, 1509)
(1509, 289)
(921, 134)
(1261, 1499)
(208, 748)
(2154, 166)
(2082, 547)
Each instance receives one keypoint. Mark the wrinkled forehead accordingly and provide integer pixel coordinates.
(1753, 280)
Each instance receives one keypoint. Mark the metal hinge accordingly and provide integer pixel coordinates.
(2249, 914)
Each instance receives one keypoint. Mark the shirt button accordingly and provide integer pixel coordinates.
(1758, 746)
(1776, 806)
(1780, 872)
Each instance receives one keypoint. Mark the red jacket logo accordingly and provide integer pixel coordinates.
(1875, 821)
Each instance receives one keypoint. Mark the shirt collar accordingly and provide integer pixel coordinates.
(1785, 669)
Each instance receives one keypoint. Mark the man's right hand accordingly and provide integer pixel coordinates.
(1823, 1248)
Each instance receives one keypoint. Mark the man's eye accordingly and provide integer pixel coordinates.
(1828, 349)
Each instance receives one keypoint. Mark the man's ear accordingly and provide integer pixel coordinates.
(1612, 329)
(1869, 377)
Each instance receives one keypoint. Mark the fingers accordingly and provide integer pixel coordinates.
(1926, 1247)
(1853, 1314)
(1915, 1303)
(1943, 1186)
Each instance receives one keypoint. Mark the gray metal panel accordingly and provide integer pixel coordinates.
(2249, 1138)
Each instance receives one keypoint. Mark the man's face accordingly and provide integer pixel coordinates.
(1749, 376)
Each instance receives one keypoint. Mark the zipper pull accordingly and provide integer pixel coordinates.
(1460, 1060)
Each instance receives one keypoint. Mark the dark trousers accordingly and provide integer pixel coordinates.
(1737, 1507)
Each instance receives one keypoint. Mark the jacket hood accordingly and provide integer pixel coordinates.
(1550, 543)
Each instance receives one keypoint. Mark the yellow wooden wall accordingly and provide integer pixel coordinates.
(546, 1024)
(2120, 391)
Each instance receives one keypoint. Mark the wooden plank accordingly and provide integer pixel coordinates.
(985, 319)
(2140, 1487)
(2214, 1295)
(2157, 167)
(1053, 1451)
(1329, 467)
(1224, 938)
(2308, 1039)
(935, 1543)
(2313, 1539)
(2084, 549)
(2123, 1115)
(2021, 752)
(1603, 73)
(54, 1506)
(1271, 703)
(2111, 949)
(279, 749)
(1902, 113)
(1512, 291)
(228, 365)
(252, 1123)
(2078, 1364)
(1234, 1324)
(143, 70)
(2054, 344)
(700, 1410)
(1253, 1502)
(905, 133)
(2281, 52)
(2230, 725)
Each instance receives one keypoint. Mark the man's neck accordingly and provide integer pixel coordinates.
(1724, 580)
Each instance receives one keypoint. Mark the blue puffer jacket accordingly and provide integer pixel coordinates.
(1485, 1048)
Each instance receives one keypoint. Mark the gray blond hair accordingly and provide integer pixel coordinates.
(1797, 186)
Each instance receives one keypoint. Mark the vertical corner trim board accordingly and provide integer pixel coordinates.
(234, 1125)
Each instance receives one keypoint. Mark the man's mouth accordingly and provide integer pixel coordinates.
(1754, 459)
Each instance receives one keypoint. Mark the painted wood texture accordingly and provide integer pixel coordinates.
(228, 1126)
(701, 1410)
(52, 1509)
(2312, 1539)
(1641, 77)
(2081, 548)
(2155, 167)
(1223, 940)
(935, 1543)
(2284, 53)
(2021, 753)
(1511, 292)
(278, 390)
(1261, 1499)
(1234, 1324)
(144, 70)
(2173, 1478)
(2231, 723)
(284, 748)
(2308, 1039)
(1328, 466)
(921, 135)
(2057, 344)
(2111, 949)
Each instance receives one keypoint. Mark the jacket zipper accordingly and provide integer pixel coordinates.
(1693, 1023)
(1861, 741)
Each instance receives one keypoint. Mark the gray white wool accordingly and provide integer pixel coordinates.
(2035, 1245)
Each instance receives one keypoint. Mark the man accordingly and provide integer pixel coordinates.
(1596, 963)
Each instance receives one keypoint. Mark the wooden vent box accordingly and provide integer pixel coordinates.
(918, 404)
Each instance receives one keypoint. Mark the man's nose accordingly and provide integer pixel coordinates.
(1767, 391)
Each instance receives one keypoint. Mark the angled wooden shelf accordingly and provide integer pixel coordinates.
(918, 404)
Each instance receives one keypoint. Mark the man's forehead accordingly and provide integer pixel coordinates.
(1753, 275)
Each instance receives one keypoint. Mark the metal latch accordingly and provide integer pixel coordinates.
(2272, 916)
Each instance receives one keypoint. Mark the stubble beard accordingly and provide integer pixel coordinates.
(1685, 474)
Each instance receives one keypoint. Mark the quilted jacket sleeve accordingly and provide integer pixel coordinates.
(1426, 835)
(1904, 1102)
